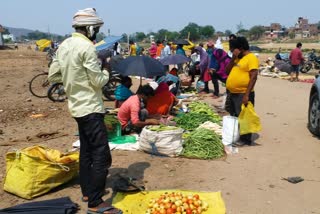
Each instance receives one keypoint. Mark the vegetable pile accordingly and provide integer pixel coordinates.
(191, 121)
(203, 144)
(199, 113)
(176, 202)
(159, 128)
(204, 108)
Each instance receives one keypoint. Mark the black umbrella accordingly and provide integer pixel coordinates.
(55, 206)
(143, 66)
(181, 42)
(174, 59)
(115, 60)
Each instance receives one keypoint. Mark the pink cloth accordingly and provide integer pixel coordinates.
(223, 60)
(129, 110)
(296, 57)
(153, 51)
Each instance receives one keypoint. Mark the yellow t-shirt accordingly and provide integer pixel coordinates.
(133, 50)
(238, 79)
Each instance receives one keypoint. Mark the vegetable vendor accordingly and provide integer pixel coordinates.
(162, 102)
(133, 115)
(123, 92)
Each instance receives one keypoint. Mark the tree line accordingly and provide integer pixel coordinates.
(192, 31)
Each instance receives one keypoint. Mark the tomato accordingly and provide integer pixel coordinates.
(190, 201)
(170, 211)
(188, 211)
(168, 205)
(174, 207)
(196, 196)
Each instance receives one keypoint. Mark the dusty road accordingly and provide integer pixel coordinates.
(250, 181)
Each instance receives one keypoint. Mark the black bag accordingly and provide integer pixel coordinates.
(55, 206)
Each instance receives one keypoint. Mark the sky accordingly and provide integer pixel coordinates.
(127, 16)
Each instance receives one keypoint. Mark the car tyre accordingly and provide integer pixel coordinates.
(314, 115)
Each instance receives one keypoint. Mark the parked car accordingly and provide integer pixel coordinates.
(314, 108)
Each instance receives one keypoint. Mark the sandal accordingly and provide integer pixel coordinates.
(105, 210)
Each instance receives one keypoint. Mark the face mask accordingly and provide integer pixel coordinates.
(92, 32)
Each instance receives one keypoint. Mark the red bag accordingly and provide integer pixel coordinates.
(207, 76)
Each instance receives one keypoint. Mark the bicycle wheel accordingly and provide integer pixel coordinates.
(56, 93)
(39, 84)
(109, 89)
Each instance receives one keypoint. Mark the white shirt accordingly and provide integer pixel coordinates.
(166, 51)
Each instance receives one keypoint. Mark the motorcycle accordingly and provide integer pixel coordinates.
(314, 59)
(305, 66)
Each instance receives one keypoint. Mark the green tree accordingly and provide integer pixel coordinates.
(140, 36)
(162, 34)
(227, 32)
(292, 35)
(36, 35)
(256, 32)
(318, 25)
(207, 31)
(171, 36)
(124, 37)
(243, 32)
(240, 27)
(193, 29)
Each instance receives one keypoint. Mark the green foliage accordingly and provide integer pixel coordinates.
(228, 32)
(256, 32)
(243, 32)
(240, 27)
(193, 29)
(124, 37)
(292, 35)
(172, 36)
(36, 35)
(140, 36)
(207, 31)
(162, 33)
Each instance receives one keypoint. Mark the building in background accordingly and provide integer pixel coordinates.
(274, 31)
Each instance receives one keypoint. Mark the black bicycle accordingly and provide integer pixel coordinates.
(39, 84)
(56, 91)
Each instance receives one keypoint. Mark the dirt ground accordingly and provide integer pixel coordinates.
(250, 181)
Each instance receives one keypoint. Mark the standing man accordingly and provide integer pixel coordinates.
(296, 58)
(76, 66)
(243, 69)
(166, 52)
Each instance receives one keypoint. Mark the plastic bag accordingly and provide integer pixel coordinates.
(200, 86)
(36, 170)
(162, 142)
(230, 130)
(249, 120)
